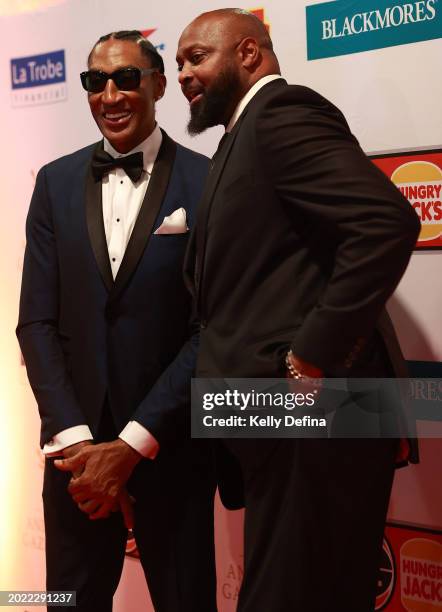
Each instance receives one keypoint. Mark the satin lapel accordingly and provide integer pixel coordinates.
(155, 193)
(206, 203)
(95, 226)
(189, 264)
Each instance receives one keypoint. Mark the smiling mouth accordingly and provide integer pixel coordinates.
(117, 118)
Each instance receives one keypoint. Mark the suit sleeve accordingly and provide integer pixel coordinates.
(164, 411)
(37, 330)
(329, 187)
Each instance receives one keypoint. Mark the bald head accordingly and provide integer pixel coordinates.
(224, 27)
(235, 23)
(221, 55)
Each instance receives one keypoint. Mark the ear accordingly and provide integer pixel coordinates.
(250, 53)
(160, 85)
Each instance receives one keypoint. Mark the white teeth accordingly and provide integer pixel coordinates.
(115, 115)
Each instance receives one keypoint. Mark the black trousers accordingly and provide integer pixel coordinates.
(173, 530)
(314, 522)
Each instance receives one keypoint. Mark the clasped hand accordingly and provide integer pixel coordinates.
(100, 473)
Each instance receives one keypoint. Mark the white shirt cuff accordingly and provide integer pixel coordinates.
(66, 438)
(140, 438)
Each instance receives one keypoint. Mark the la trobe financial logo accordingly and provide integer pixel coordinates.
(38, 79)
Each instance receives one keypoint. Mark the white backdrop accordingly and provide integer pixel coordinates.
(392, 100)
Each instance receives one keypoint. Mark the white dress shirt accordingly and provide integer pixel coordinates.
(249, 95)
(122, 201)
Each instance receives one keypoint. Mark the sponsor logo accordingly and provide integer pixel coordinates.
(417, 557)
(260, 13)
(421, 575)
(38, 79)
(426, 389)
(419, 177)
(421, 183)
(147, 33)
(386, 577)
(348, 26)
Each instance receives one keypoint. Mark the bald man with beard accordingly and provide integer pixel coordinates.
(299, 243)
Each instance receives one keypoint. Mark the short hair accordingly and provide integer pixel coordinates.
(146, 47)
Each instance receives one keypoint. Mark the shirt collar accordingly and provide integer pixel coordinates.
(249, 95)
(149, 147)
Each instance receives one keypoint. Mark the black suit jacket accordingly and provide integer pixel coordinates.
(300, 241)
(85, 337)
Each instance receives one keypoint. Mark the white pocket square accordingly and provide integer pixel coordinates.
(174, 223)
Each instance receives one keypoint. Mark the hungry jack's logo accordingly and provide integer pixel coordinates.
(419, 177)
(421, 575)
(417, 565)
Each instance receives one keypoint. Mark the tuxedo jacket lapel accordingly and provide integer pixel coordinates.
(213, 181)
(206, 203)
(95, 226)
(155, 193)
(189, 264)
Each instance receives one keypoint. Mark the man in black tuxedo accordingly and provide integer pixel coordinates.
(104, 329)
(299, 243)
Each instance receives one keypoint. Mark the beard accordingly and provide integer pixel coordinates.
(217, 104)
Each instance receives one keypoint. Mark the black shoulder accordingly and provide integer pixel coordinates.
(293, 94)
(298, 100)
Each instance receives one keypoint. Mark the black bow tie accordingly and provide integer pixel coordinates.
(102, 163)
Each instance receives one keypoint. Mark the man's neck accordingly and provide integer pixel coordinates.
(251, 92)
(126, 148)
(149, 147)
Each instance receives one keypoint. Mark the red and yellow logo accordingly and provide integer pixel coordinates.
(421, 184)
(421, 575)
(419, 178)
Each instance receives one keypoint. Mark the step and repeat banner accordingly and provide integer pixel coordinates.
(379, 61)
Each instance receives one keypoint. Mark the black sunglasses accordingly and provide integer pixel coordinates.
(94, 81)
